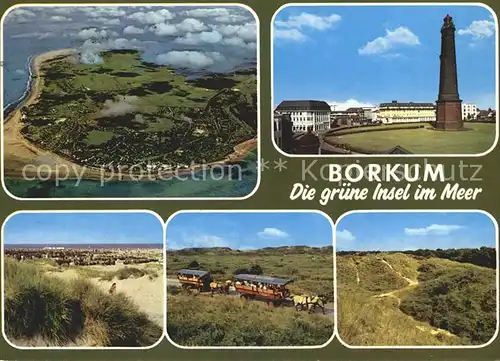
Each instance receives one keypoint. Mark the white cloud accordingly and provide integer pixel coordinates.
(164, 29)
(309, 20)
(230, 19)
(90, 48)
(64, 10)
(272, 233)
(393, 38)
(108, 21)
(434, 229)
(349, 103)
(247, 32)
(190, 59)
(186, 26)
(152, 17)
(235, 41)
(191, 25)
(21, 15)
(33, 35)
(60, 19)
(92, 33)
(344, 236)
(133, 30)
(205, 37)
(479, 29)
(22, 12)
(205, 13)
(197, 241)
(289, 34)
(103, 11)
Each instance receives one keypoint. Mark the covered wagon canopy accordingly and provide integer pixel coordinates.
(263, 279)
(192, 272)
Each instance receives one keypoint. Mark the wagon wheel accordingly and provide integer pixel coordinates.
(299, 307)
(244, 297)
(270, 303)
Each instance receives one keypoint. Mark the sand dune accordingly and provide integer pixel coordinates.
(147, 294)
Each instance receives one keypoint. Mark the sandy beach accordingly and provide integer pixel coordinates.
(147, 294)
(23, 159)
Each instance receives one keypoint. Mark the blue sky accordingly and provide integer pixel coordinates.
(83, 228)
(407, 231)
(248, 230)
(360, 55)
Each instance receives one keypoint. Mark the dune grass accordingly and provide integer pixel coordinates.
(230, 321)
(74, 312)
(367, 321)
(201, 320)
(129, 272)
(452, 304)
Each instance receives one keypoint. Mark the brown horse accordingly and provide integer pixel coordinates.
(112, 289)
(219, 287)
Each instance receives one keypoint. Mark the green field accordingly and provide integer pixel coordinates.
(408, 300)
(226, 320)
(128, 112)
(477, 140)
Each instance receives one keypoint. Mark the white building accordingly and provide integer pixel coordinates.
(469, 111)
(306, 115)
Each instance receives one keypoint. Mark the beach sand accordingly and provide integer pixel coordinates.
(147, 294)
(20, 153)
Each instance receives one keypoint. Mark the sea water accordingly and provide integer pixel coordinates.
(220, 186)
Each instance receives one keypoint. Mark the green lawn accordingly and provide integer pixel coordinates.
(424, 140)
(97, 137)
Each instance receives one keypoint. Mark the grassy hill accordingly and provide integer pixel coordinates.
(200, 320)
(388, 299)
(48, 311)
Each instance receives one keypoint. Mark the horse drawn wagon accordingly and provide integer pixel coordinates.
(195, 279)
(270, 289)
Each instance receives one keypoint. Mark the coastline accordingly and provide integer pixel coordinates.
(19, 152)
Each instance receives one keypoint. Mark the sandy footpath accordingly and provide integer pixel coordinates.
(19, 152)
(147, 294)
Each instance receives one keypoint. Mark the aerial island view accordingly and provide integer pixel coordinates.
(417, 279)
(132, 101)
(250, 279)
(83, 279)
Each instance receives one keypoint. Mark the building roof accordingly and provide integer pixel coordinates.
(303, 105)
(398, 150)
(263, 279)
(395, 103)
(192, 272)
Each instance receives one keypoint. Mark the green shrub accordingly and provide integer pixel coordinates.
(229, 321)
(461, 301)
